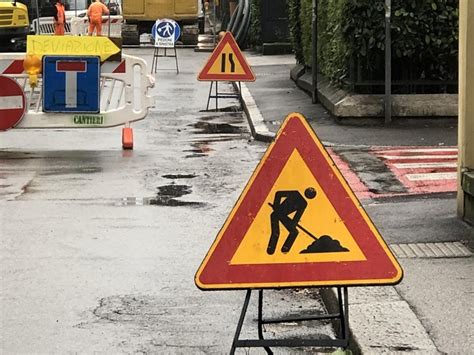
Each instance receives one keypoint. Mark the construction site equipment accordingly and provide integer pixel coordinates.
(14, 22)
(140, 15)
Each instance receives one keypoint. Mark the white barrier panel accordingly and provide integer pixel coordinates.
(78, 26)
(123, 95)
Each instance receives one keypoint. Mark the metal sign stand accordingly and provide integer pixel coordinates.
(342, 316)
(223, 95)
(156, 55)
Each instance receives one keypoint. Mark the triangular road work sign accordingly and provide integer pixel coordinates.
(227, 63)
(297, 224)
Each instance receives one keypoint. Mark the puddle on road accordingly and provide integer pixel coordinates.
(13, 155)
(67, 171)
(232, 116)
(216, 128)
(233, 108)
(179, 176)
(200, 149)
(167, 195)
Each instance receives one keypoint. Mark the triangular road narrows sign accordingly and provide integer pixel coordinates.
(227, 63)
(297, 224)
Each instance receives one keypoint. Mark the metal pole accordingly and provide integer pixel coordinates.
(314, 62)
(108, 6)
(388, 64)
(38, 17)
(214, 23)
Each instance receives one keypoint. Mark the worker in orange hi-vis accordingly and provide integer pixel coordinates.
(59, 18)
(95, 12)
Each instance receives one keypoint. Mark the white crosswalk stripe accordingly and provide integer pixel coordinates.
(431, 176)
(422, 170)
(425, 165)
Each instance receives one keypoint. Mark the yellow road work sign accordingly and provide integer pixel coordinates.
(297, 224)
(42, 45)
(227, 63)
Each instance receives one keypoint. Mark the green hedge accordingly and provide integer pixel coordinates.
(306, 9)
(351, 35)
(294, 16)
(255, 38)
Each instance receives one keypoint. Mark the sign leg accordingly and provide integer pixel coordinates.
(240, 94)
(154, 63)
(217, 98)
(176, 59)
(260, 320)
(241, 322)
(343, 300)
(209, 96)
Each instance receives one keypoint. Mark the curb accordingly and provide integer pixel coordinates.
(257, 125)
(381, 322)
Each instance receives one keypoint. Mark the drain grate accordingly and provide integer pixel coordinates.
(431, 250)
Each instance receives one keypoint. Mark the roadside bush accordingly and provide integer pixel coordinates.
(255, 35)
(306, 9)
(294, 16)
(351, 39)
(424, 39)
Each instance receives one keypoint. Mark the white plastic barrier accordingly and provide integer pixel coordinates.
(45, 26)
(123, 95)
(78, 26)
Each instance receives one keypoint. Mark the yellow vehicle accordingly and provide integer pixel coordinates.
(140, 15)
(14, 23)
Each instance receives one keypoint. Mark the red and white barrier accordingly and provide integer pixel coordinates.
(124, 98)
(15, 66)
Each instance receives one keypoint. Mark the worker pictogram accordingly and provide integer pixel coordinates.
(288, 208)
(12, 103)
(227, 63)
(297, 223)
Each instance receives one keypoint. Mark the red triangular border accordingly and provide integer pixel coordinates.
(248, 75)
(380, 268)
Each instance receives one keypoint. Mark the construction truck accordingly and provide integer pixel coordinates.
(14, 24)
(140, 15)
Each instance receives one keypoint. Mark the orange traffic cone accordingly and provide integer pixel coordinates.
(127, 138)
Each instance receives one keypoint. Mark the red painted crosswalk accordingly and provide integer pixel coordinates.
(422, 169)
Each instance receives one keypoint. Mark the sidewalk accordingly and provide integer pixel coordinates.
(430, 311)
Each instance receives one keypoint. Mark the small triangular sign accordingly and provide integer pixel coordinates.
(297, 224)
(227, 63)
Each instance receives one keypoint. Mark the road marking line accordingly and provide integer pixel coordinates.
(420, 150)
(414, 157)
(11, 102)
(432, 176)
(425, 165)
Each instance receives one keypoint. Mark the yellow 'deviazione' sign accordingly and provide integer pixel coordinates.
(42, 45)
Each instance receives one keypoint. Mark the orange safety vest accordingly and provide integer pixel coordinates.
(96, 10)
(61, 14)
(59, 23)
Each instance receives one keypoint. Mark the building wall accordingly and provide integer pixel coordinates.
(466, 110)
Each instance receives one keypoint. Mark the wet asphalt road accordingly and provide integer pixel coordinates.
(99, 246)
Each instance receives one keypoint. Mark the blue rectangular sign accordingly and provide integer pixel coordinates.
(71, 84)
